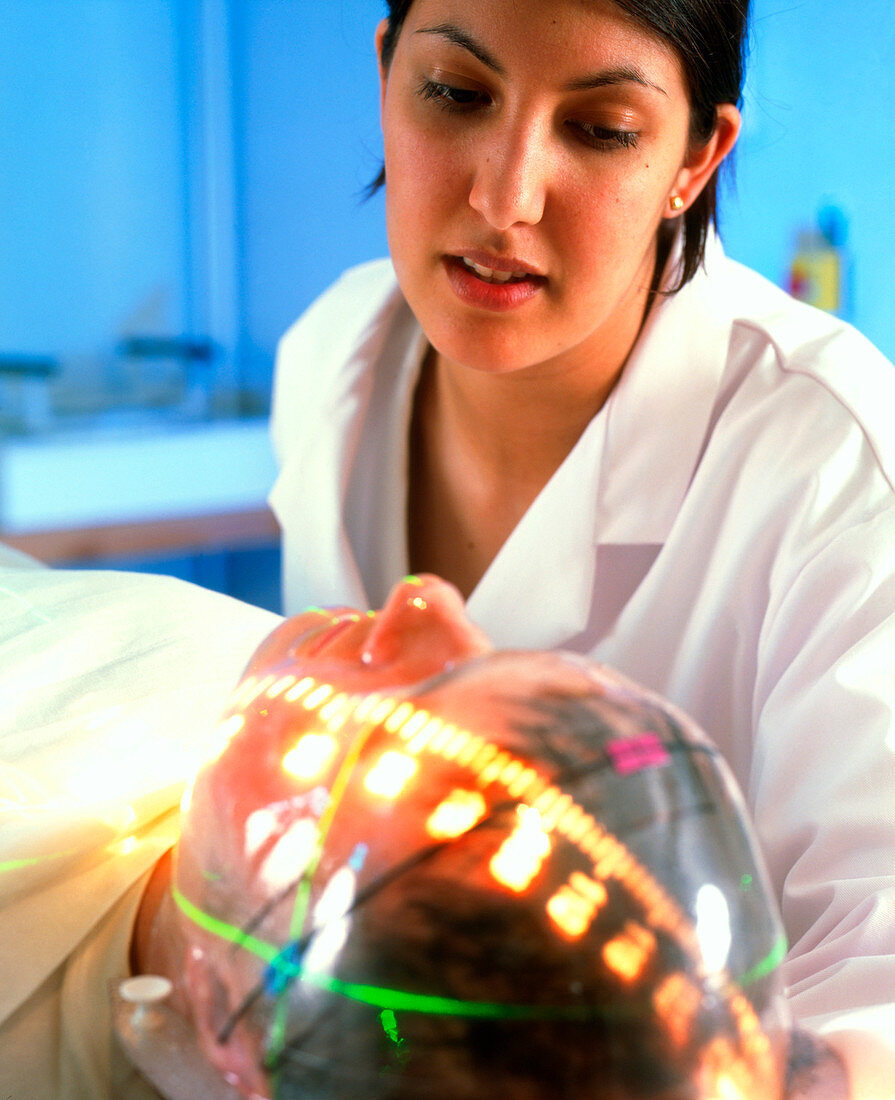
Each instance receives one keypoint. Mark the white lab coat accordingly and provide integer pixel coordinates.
(723, 532)
(110, 689)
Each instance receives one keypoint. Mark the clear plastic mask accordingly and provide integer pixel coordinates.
(524, 876)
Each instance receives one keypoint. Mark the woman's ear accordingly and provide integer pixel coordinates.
(703, 160)
(383, 71)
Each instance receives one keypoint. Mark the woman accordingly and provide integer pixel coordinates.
(561, 390)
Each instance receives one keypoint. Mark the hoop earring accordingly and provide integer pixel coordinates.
(676, 203)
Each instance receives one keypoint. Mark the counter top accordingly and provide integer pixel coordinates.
(80, 496)
(113, 476)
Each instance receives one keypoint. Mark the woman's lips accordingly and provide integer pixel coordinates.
(492, 283)
(494, 272)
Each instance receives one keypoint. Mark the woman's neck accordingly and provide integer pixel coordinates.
(517, 426)
(482, 449)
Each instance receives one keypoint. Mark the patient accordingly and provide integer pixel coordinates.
(415, 866)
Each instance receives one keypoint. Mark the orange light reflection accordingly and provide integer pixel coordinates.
(628, 953)
(456, 815)
(391, 774)
(518, 860)
(311, 756)
(569, 912)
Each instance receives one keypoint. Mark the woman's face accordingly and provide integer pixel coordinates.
(540, 142)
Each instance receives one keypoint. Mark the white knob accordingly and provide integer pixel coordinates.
(144, 992)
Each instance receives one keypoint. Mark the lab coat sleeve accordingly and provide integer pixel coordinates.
(317, 347)
(824, 782)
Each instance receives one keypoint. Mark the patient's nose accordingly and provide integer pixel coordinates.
(422, 629)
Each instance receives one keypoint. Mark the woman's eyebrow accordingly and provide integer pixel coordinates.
(458, 37)
(623, 74)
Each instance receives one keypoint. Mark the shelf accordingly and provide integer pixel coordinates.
(149, 538)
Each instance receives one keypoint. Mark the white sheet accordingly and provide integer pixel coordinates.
(110, 687)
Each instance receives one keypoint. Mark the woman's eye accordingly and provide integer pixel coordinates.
(448, 96)
(605, 137)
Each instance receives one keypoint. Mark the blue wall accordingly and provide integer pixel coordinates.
(90, 168)
(310, 143)
(98, 106)
(819, 117)
(819, 127)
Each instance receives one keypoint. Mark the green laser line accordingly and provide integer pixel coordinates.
(397, 1000)
(767, 965)
(226, 931)
(390, 1025)
(30, 861)
(303, 893)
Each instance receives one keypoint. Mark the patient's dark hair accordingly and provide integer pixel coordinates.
(438, 974)
(438, 928)
(438, 925)
(709, 37)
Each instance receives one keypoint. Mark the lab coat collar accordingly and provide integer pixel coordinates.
(658, 415)
(314, 484)
(639, 454)
(314, 481)
(537, 590)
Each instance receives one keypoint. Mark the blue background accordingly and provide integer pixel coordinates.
(196, 166)
(97, 121)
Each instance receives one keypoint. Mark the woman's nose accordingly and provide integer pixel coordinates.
(510, 179)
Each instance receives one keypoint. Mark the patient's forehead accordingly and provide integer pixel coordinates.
(379, 766)
(532, 703)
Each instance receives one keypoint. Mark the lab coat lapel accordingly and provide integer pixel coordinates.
(537, 592)
(334, 478)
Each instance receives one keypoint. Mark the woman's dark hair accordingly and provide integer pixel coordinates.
(709, 36)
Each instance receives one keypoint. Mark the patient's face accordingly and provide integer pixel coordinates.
(419, 867)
